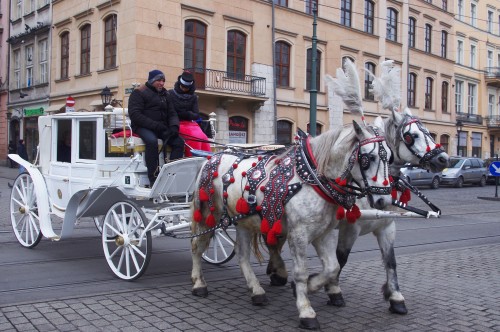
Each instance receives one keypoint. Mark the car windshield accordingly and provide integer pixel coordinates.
(456, 163)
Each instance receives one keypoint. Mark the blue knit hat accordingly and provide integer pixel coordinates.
(155, 75)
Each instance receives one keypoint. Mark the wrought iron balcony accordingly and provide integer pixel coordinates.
(217, 80)
(471, 118)
(492, 76)
(493, 121)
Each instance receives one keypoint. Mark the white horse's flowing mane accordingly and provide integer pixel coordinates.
(323, 145)
(387, 87)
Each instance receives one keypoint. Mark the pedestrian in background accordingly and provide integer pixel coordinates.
(185, 103)
(21, 151)
(12, 149)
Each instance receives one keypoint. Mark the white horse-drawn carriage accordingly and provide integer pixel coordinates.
(101, 177)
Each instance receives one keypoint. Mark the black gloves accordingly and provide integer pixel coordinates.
(174, 130)
(160, 128)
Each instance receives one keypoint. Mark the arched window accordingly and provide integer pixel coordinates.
(64, 55)
(319, 128)
(428, 38)
(392, 24)
(236, 51)
(282, 56)
(344, 58)
(110, 41)
(284, 131)
(85, 49)
(445, 142)
(369, 66)
(412, 89)
(309, 68)
(429, 82)
(195, 41)
(444, 96)
(412, 31)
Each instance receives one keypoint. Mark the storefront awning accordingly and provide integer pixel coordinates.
(55, 107)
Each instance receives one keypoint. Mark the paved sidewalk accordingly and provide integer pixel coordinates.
(449, 290)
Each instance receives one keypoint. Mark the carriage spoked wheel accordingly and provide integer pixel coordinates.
(221, 248)
(24, 211)
(98, 223)
(126, 247)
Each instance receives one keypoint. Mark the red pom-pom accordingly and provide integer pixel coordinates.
(247, 187)
(356, 211)
(231, 180)
(258, 208)
(351, 217)
(394, 193)
(203, 195)
(277, 227)
(374, 178)
(264, 226)
(259, 158)
(342, 182)
(225, 194)
(277, 161)
(262, 188)
(386, 182)
(254, 164)
(212, 208)
(235, 165)
(216, 174)
(340, 213)
(271, 240)
(428, 148)
(243, 173)
(212, 191)
(391, 178)
(197, 216)
(405, 196)
(438, 146)
(209, 157)
(242, 206)
(210, 221)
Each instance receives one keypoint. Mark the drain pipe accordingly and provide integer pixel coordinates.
(275, 107)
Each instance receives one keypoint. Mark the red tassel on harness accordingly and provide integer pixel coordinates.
(277, 227)
(405, 196)
(394, 193)
(340, 213)
(340, 182)
(386, 182)
(264, 226)
(374, 178)
(197, 216)
(210, 221)
(242, 206)
(271, 239)
(428, 148)
(203, 195)
(353, 214)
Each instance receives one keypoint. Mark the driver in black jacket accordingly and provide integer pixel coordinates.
(153, 117)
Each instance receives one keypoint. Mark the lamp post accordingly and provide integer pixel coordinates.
(459, 130)
(313, 92)
(106, 96)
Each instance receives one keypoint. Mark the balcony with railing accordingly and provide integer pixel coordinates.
(493, 121)
(492, 76)
(229, 83)
(470, 118)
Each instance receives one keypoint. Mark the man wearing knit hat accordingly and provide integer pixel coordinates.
(153, 117)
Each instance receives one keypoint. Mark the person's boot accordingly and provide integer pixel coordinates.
(152, 180)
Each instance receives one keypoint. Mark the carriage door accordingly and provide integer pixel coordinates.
(60, 163)
(195, 35)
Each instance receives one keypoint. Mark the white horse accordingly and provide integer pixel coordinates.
(410, 142)
(290, 195)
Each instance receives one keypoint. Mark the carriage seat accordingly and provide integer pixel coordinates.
(127, 142)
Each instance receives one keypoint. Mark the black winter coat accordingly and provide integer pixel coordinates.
(185, 104)
(148, 108)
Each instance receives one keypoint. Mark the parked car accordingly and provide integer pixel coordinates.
(420, 177)
(465, 170)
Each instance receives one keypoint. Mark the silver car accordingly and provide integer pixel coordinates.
(420, 177)
(465, 170)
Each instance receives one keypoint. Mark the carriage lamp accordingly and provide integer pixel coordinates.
(106, 96)
(459, 125)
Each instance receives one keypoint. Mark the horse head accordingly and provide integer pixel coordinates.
(413, 143)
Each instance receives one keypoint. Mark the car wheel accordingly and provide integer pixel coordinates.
(460, 182)
(435, 183)
(482, 183)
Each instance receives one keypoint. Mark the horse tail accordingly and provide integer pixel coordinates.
(255, 243)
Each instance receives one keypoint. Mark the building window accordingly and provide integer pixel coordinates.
(460, 5)
(473, 56)
(19, 9)
(477, 139)
(489, 60)
(85, 49)
(43, 54)
(412, 31)
(471, 99)
(369, 17)
(283, 3)
(309, 68)
(319, 128)
(460, 52)
(236, 54)
(428, 93)
(459, 93)
(445, 87)
(490, 21)
(491, 105)
(412, 89)
(345, 58)
(195, 39)
(284, 132)
(345, 12)
(473, 14)
(29, 65)
(64, 55)
(428, 38)
(370, 67)
(311, 5)
(444, 5)
(444, 44)
(445, 143)
(282, 56)
(30, 6)
(17, 69)
(392, 24)
(110, 42)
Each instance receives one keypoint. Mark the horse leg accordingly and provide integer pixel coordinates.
(348, 233)
(385, 238)
(244, 239)
(276, 269)
(198, 246)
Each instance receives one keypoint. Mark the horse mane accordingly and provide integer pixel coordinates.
(391, 132)
(333, 144)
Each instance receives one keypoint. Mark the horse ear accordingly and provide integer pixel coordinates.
(407, 111)
(396, 116)
(357, 128)
(379, 123)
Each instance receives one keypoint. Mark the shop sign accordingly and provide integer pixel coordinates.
(33, 112)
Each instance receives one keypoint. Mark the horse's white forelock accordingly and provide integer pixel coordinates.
(387, 87)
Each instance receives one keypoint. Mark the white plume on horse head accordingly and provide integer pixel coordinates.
(347, 86)
(387, 87)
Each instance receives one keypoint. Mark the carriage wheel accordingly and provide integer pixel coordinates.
(98, 223)
(126, 248)
(24, 211)
(221, 248)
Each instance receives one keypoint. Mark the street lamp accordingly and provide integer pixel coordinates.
(106, 96)
(459, 125)
(313, 92)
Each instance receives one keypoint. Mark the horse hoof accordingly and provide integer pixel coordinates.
(200, 292)
(309, 323)
(276, 280)
(260, 300)
(398, 307)
(336, 300)
(294, 290)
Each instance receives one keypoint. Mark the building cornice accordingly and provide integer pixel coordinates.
(238, 20)
(107, 4)
(85, 13)
(197, 10)
(63, 22)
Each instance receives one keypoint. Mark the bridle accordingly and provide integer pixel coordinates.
(407, 138)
